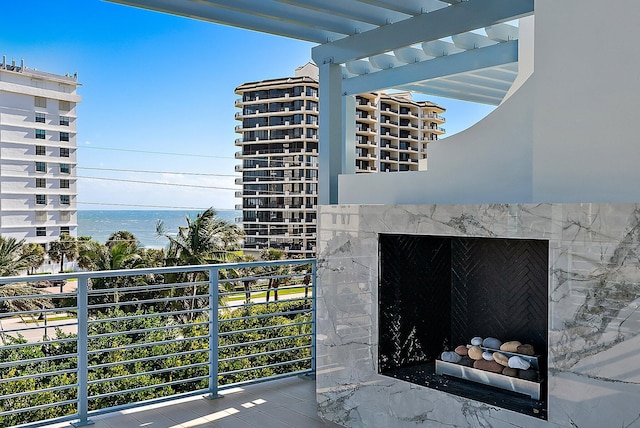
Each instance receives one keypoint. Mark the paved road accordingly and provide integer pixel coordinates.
(35, 331)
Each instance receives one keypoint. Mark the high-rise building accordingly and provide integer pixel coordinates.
(37, 154)
(279, 141)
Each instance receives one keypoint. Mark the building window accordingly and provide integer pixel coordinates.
(65, 168)
(40, 134)
(64, 136)
(41, 150)
(40, 118)
(64, 105)
(64, 230)
(64, 184)
(41, 167)
(41, 216)
(64, 121)
(41, 231)
(65, 199)
(64, 152)
(41, 199)
(41, 182)
(65, 216)
(41, 102)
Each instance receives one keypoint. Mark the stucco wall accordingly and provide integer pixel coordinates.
(569, 134)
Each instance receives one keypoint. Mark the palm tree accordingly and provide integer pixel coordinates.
(245, 275)
(13, 259)
(205, 239)
(65, 246)
(120, 255)
(35, 254)
(274, 254)
(123, 236)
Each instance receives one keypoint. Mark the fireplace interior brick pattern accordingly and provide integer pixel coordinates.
(438, 292)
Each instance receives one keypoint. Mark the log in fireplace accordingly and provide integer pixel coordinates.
(438, 292)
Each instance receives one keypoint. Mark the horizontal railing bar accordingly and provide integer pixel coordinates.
(146, 344)
(249, 369)
(152, 358)
(144, 316)
(38, 375)
(47, 342)
(35, 360)
(143, 388)
(34, 296)
(264, 379)
(40, 327)
(257, 342)
(262, 354)
(265, 303)
(271, 327)
(262, 290)
(40, 407)
(259, 316)
(9, 315)
(159, 270)
(152, 287)
(138, 302)
(120, 333)
(138, 374)
(260, 278)
(37, 391)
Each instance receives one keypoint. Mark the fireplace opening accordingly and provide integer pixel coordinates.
(437, 293)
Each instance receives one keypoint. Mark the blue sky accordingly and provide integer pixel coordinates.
(155, 86)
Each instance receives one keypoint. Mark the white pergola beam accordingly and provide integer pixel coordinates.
(459, 18)
(293, 14)
(409, 7)
(207, 12)
(490, 56)
(352, 9)
(462, 95)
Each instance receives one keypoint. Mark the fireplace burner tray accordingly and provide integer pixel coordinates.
(497, 380)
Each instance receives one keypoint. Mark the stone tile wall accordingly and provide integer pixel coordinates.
(594, 321)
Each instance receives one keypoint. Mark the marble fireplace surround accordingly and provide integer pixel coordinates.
(594, 322)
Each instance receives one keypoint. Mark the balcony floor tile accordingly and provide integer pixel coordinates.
(289, 402)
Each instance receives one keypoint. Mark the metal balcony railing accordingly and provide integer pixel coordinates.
(112, 340)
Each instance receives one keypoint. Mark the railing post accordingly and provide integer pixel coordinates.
(314, 293)
(213, 334)
(83, 347)
(314, 282)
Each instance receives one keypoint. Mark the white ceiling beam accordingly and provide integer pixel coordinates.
(408, 7)
(293, 14)
(352, 9)
(462, 17)
(478, 80)
(462, 94)
(464, 62)
(207, 12)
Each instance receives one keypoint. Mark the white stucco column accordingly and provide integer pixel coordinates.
(337, 133)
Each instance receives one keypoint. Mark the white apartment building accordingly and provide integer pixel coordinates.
(279, 141)
(37, 154)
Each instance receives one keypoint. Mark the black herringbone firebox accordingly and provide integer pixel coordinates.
(437, 292)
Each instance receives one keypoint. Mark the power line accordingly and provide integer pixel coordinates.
(158, 172)
(151, 206)
(276, 163)
(155, 182)
(154, 153)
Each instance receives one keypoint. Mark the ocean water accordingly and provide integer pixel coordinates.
(99, 224)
